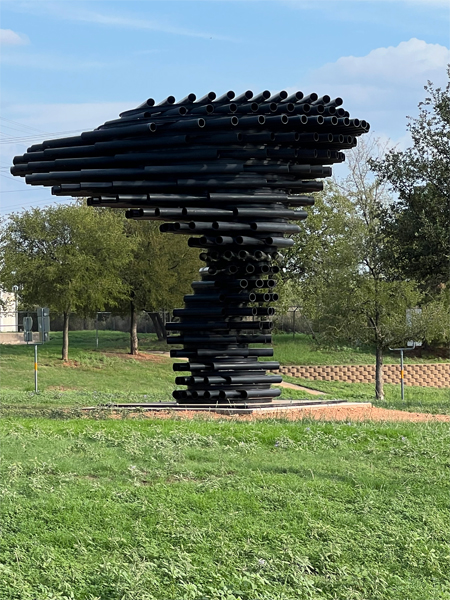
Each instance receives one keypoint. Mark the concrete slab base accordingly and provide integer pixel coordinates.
(230, 409)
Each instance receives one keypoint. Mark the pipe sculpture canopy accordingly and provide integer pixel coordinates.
(231, 173)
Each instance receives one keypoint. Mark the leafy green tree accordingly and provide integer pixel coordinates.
(346, 287)
(418, 225)
(67, 257)
(159, 273)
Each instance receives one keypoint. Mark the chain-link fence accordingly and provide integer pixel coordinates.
(293, 321)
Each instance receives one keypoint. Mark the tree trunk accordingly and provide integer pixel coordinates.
(65, 346)
(379, 391)
(134, 346)
(160, 330)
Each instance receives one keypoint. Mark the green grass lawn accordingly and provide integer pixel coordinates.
(302, 350)
(107, 375)
(105, 369)
(139, 509)
(416, 399)
(159, 510)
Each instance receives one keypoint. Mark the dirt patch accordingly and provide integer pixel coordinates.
(294, 386)
(61, 388)
(320, 413)
(145, 356)
(71, 363)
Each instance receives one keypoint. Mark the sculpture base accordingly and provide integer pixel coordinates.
(229, 409)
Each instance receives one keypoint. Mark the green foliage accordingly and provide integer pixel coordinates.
(161, 268)
(324, 244)
(67, 257)
(146, 510)
(419, 223)
(345, 287)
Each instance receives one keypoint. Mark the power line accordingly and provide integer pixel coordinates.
(34, 137)
(8, 177)
(26, 191)
(22, 125)
(18, 204)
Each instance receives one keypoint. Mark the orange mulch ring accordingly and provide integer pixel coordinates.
(71, 363)
(157, 358)
(320, 413)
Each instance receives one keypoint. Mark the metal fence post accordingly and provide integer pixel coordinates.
(35, 369)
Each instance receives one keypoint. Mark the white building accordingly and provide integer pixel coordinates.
(9, 319)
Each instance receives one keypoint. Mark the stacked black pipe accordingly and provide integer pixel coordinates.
(230, 173)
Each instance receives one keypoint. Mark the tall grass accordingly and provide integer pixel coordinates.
(146, 510)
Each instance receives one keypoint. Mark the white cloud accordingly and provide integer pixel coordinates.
(137, 23)
(75, 11)
(386, 85)
(404, 64)
(8, 37)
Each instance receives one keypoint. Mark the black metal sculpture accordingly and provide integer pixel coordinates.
(224, 171)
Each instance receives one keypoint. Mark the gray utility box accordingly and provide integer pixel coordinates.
(27, 327)
(43, 315)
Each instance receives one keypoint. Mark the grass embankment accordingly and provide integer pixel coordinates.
(146, 510)
(108, 374)
(302, 350)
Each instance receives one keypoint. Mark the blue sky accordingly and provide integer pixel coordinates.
(71, 65)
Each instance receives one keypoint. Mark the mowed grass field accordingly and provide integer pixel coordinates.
(108, 374)
(95, 508)
(176, 509)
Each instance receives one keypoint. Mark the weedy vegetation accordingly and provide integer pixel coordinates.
(159, 510)
(139, 509)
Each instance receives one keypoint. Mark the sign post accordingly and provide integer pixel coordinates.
(35, 369)
(402, 372)
(43, 315)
